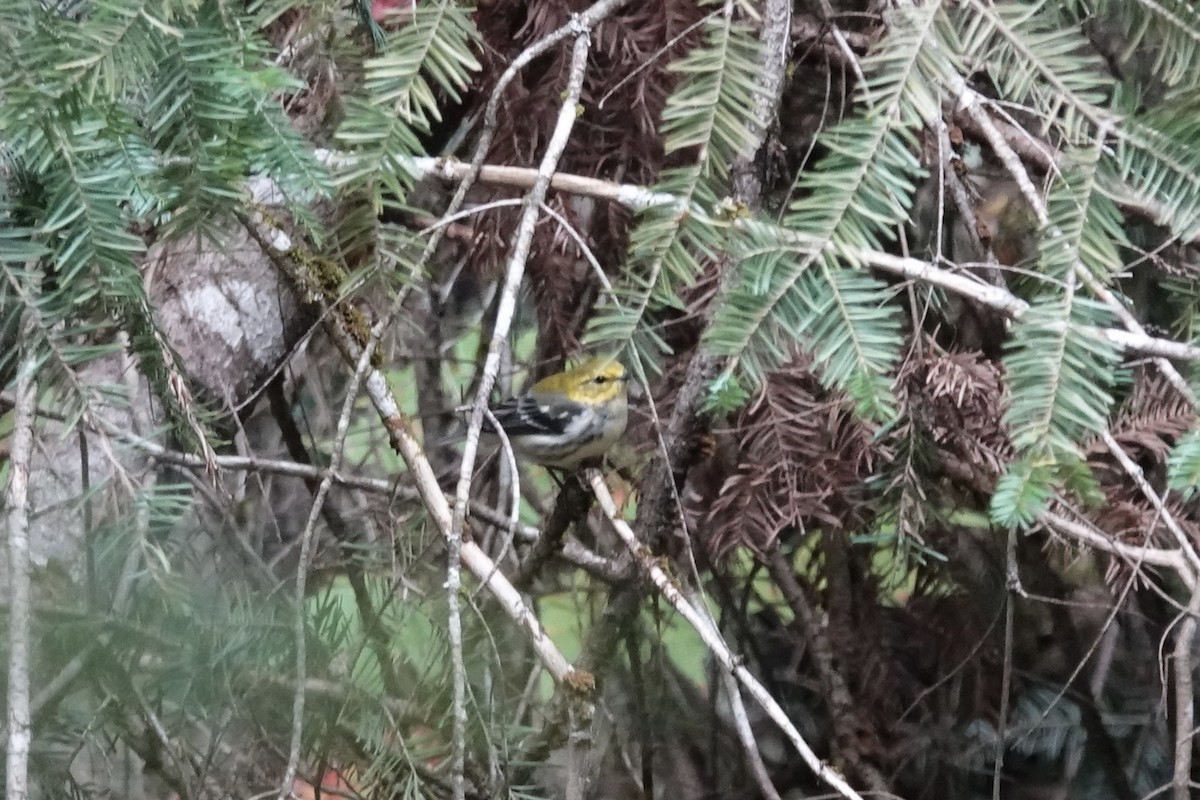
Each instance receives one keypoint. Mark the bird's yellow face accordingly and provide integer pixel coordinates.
(596, 380)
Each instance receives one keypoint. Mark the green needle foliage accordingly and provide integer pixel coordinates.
(710, 113)
(1061, 369)
(128, 116)
(1156, 163)
(871, 447)
(1165, 29)
(431, 52)
(798, 282)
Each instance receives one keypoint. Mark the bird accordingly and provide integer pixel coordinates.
(568, 418)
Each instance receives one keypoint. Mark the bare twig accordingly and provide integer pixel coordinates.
(1185, 700)
(472, 172)
(404, 441)
(346, 535)
(572, 551)
(1002, 300)
(306, 539)
(1010, 607)
(741, 721)
(506, 309)
(713, 641)
(85, 393)
(609, 570)
(16, 497)
(843, 45)
(56, 687)
(1023, 143)
(972, 104)
(741, 724)
(1170, 559)
(583, 22)
(630, 196)
(838, 696)
(809, 29)
(514, 485)
(660, 505)
(570, 506)
(1069, 639)
(637, 198)
(1139, 478)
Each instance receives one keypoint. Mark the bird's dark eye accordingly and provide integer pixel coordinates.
(601, 379)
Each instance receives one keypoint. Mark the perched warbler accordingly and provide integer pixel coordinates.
(566, 418)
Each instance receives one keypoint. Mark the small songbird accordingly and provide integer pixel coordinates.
(569, 417)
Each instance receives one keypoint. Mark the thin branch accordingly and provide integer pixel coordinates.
(506, 309)
(741, 724)
(1185, 699)
(293, 440)
(1157, 557)
(809, 29)
(1013, 588)
(1068, 637)
(584, 23)
(713, 641)
(1025, 144)
(56, 687)
(306, 540)
(571, 505)
(19, 600)
(84, 392)
(843, 46)
(400, 431)
(472, 172)
(637, 198)
(1134, 555)
(972, 104)
(401, 435)
(741, 721)
(572, 551)
(838, 698)
(609, 570)
(1012, 306)
(962, 200)
(1139, 478)
(514, 484)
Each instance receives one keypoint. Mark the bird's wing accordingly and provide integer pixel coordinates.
(525, 416)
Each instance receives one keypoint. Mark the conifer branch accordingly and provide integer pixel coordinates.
(506, 309)
(306, 543)
(638, 198)
(20, 603)
(703, 626)
(400, 430)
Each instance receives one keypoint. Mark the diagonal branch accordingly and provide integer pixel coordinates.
(971, 104)
(306, 541)
(1186, 546)
(403, 440)
(506, 309)
(1174, 560)
(713, 640)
